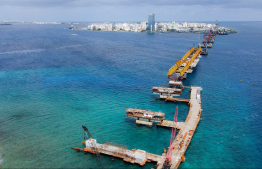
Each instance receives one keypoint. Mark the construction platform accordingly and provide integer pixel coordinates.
(145, 116)
(166, 92)
(186, 63)
(177, 100)
(167, 123)
(177, 83)
(187, 130)
(180, 144)
(132, 156)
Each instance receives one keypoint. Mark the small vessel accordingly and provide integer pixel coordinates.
(74, 34)
(5, 23)
(201, 45)
(204, 52)
(209, 45)
(210, 40)
(222, 33)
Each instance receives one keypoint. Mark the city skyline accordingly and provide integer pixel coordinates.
(130, 10)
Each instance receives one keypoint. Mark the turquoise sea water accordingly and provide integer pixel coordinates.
(51, 83)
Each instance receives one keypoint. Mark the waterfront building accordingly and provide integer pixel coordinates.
(143, 25)
(151, 22)
(149, 25)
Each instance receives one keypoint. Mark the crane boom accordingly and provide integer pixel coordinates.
(167, 164)
(87, 133)
(94, 148)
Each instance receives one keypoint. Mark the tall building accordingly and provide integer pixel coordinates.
(151, 22)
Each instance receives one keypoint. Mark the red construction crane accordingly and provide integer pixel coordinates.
(204, 38)
(167, 163)
(210, 35)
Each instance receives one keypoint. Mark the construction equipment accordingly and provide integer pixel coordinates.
(204, 51)
(145, 117)
(168, 160)
(182, 67)
(204, 38)
(211, 37)
(203, 47)
(180, 61)
(87, 136)
(190, 61)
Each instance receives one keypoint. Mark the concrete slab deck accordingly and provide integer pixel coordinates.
(186, 132)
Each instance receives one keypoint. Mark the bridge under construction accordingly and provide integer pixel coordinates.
(178, 145)
(188, 61)
(175, 154)
(177, 73)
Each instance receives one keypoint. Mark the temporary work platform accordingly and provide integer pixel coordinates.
(145, 117)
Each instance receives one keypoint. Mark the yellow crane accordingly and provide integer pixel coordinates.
(186, 59)
(185, 68)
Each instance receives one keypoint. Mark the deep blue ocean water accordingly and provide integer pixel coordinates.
(51, 83)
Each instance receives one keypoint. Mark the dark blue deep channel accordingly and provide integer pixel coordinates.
(51, 83)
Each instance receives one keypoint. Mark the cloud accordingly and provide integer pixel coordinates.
(256, 4)
(33, 3)
(131, 10)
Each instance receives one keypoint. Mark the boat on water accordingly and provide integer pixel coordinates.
(204, 52)
(5, 23)
(222, 33)
(205, 45)
(210, 40)
(74, 34)
(209, 45)
(201, 45)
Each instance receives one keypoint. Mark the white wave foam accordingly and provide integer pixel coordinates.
(22, 51)
(69, 46)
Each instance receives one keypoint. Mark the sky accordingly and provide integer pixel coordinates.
(130, 10)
